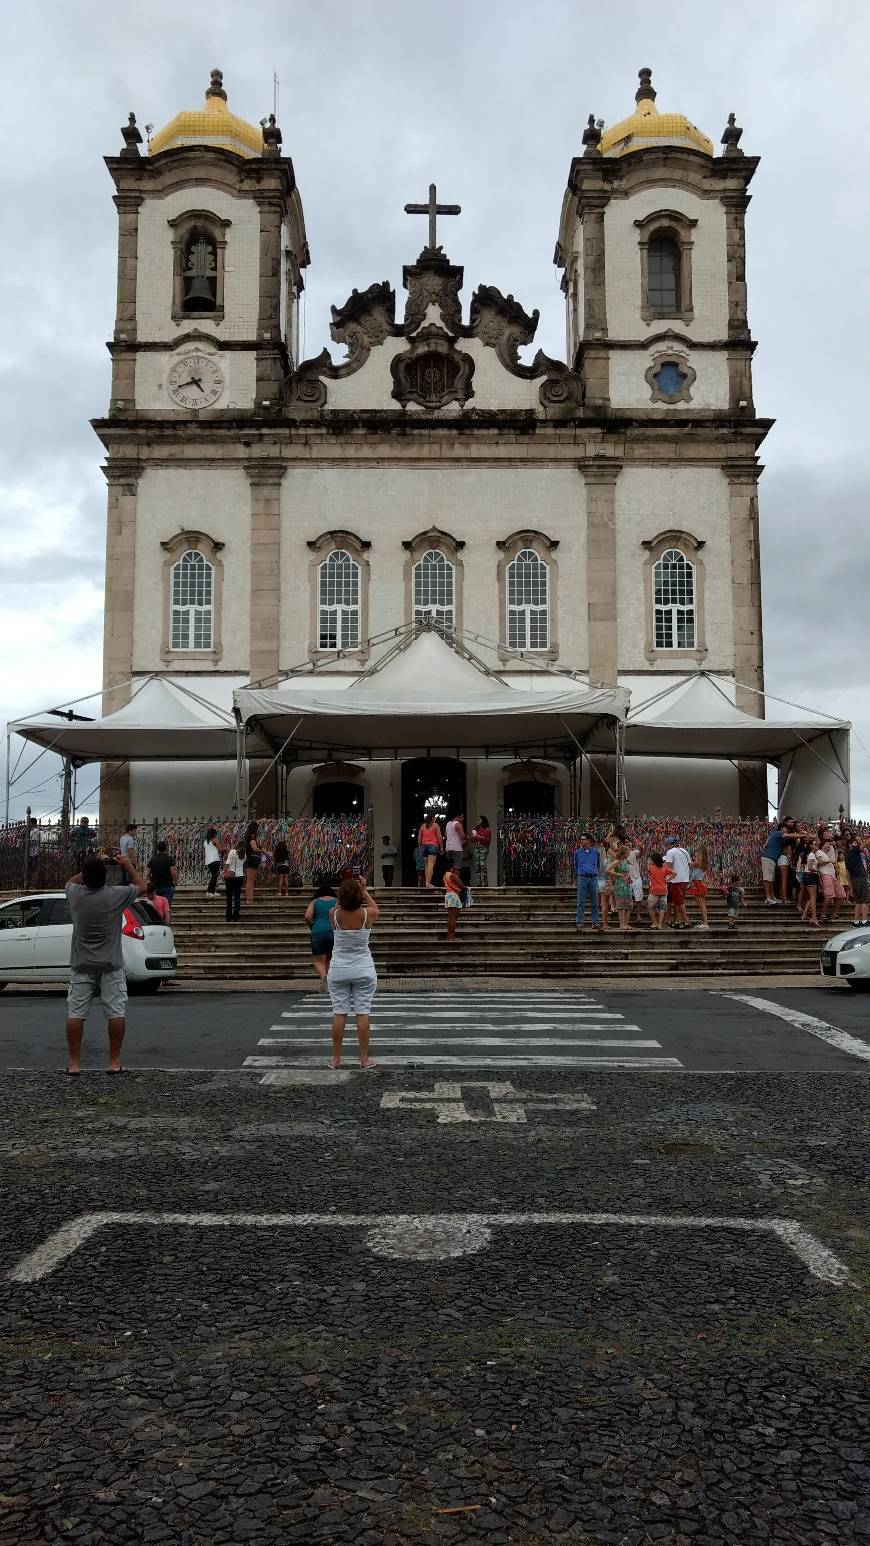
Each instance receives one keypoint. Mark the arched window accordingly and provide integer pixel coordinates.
(663, 275)
(433, 588)
(674, 601)
(338, 595)
(200, 274)
(528, 602)
(192, 603)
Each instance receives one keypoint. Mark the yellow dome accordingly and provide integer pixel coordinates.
(213, 124)
(647, 127)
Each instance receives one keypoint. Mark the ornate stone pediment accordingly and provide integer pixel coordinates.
(366, 319)
(433, 372)
(501, 323)
(433, 281)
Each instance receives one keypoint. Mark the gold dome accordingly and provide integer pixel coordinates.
(647, 127)
(213, 124)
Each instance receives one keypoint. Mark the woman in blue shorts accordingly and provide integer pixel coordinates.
(318, 916)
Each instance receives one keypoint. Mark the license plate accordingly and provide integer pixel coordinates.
(167, 966)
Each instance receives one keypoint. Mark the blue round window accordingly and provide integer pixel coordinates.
(669, 379)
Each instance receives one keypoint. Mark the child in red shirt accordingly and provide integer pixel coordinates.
(659, 873)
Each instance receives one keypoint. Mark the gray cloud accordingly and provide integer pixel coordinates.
(488, 99)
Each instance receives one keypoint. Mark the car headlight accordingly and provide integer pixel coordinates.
(856, 944)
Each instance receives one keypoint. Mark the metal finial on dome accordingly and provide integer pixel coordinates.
(216, 89)
(730, 137)
(592, 137)
(645, 91)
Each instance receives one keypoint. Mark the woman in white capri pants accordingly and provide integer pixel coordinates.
(352, 979)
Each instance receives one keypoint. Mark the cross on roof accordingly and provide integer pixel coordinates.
(432, 209)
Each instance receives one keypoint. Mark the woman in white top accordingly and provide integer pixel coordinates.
(234, 879)
(212, 857)
(352, 979)
(811, 881)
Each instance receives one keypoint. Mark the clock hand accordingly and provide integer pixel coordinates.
(195, 381)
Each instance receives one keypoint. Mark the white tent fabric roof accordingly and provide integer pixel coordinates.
(427, 698)
(698, 719)
(163, 721)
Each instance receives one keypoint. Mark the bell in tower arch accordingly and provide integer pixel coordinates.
(200, 276)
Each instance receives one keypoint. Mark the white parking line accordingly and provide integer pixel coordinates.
(816, 1257)
(802, 1022)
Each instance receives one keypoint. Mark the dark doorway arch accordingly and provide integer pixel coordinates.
(529, 797)
(338, 798)
(436, 783)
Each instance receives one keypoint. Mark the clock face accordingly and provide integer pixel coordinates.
(195, 381)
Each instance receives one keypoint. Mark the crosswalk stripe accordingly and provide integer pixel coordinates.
(481, 1061)
(459, 1041)
(420, 1012)
(440, 1032)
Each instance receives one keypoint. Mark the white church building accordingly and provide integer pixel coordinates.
(594, 515)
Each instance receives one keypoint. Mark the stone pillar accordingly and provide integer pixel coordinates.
(596, 359)
(265, 480)
(270, 367)
(746, 616)
(600, 478)
(123, 391)
(740, 344)
(601, 608)
(122, 478)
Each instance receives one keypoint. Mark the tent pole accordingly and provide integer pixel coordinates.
(620, 771)
(285, 744)
(8, 755)
(240, 800)
(586, 758)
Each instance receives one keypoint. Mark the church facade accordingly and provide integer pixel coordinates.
(596, 514)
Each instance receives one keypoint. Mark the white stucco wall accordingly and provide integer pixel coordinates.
(239, 369)
(630, 389)
(242, 264)
(388, 506)
(217, 503)
(623, 268)
(650, 500)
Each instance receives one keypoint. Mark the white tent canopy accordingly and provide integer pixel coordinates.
(163, 721)
(696, 718)
(429, 698)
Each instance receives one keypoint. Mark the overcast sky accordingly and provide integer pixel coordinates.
(488, 98)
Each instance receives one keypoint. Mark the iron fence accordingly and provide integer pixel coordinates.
(45, 856)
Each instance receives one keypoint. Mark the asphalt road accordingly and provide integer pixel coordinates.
(586, 1270)
(712, 1031)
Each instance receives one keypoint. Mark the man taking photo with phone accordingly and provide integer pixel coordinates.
(96, 962)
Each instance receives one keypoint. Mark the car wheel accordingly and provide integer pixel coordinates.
(152, 985)
(2, 986)
(861, 986)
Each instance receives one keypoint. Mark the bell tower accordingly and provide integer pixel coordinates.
(211, 253)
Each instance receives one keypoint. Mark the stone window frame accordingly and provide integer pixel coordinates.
(679, 228)
(174, 548)
(545, 547)
(690, 547)
(320, 549)
(670, 357)
(214, 227)
(438, 541)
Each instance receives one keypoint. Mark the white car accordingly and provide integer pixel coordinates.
(36, 933)
(847, 956)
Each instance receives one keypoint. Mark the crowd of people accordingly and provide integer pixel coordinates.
(616, 879)
(816, 870)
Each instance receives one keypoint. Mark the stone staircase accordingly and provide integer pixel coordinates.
(524, 932)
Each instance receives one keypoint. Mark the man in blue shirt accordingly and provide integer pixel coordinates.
(782, 833)
(587, 867)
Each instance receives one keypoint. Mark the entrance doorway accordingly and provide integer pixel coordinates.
(428, 784)
(527, 797)
(338, 799)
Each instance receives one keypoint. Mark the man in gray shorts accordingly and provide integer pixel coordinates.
(96, 961)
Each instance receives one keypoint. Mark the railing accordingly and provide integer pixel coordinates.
(46, 856)
(538, 850)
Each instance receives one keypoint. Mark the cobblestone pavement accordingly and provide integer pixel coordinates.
(338, 1377)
